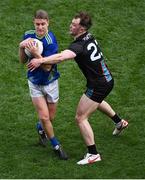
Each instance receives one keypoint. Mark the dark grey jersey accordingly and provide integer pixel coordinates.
(90, 60)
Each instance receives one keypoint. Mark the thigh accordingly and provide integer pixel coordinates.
(51, 92)
(86, 107)
(41, 106)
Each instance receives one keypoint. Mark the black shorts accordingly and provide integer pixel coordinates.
(99, 93)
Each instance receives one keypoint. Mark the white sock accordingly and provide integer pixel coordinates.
(56, 147)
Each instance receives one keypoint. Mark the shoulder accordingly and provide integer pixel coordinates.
(76, 47)
(30, 32)
(51, 33)
(76, 44)
(50, 37)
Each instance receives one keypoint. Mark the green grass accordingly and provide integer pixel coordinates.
(119, 27)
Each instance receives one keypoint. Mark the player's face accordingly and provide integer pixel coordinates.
(41, 26)
(75, 27)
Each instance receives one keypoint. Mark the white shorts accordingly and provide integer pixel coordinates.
(50, 91)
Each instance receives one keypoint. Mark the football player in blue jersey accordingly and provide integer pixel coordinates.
(89, 57)
(43, 82)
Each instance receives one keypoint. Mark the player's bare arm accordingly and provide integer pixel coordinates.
(22, 55)
(54, 59)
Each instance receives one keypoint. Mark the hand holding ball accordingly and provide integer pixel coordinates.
(38, 44)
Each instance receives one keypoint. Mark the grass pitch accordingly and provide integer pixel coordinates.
(119, 27)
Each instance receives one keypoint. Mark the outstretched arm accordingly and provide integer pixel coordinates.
(53, 59)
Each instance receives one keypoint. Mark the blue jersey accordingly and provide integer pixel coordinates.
(39, 76)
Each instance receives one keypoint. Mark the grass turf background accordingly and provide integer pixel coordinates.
(119, 27)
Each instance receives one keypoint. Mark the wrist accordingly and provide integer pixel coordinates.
(41, 60)
(21, 47)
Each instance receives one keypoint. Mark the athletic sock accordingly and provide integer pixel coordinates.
(116, 119)
(92, 149)
(54, 142)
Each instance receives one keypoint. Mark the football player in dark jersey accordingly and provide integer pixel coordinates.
(89, 57)
(43, 82)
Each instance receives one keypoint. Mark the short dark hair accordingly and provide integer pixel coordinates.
(41, 14)
(85, 19)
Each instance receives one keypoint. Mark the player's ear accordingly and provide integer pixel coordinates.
(48, 22)
(82, 29)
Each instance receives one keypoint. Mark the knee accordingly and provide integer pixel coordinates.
(44, 118)
(47, 117)
(78, 118)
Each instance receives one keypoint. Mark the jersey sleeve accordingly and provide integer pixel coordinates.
(76, 48)
(25, 36)
(50, 45)
(29, 34)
